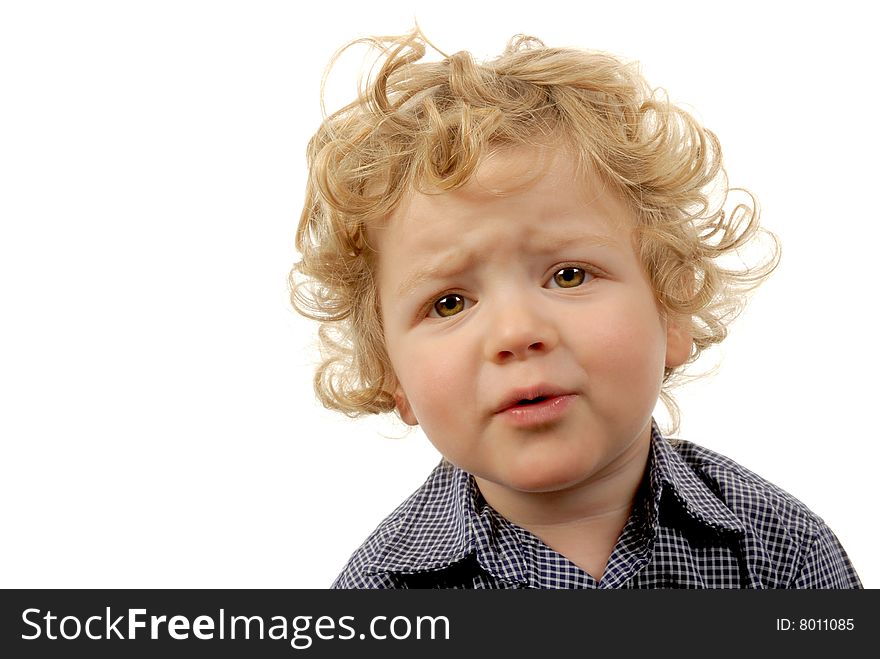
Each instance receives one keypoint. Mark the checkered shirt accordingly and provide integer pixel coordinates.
(700, 521)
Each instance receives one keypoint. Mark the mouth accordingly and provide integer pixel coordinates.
(530, 401)
(527, 397)
(536, 410)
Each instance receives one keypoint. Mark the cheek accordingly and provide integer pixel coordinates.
(435, 378)
(626, 344)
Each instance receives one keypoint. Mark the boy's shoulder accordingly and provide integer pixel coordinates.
(742, 491)
(752, 499)
(784, 542)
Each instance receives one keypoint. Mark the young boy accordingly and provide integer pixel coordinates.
(519, 256)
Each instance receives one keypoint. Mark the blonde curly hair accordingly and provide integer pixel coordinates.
(418, 123)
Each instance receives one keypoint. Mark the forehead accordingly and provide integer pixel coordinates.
(512, 170)
(535, 189)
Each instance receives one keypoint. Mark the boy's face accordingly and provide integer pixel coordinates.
(536, 293)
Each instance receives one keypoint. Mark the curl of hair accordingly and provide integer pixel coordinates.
(419, 124)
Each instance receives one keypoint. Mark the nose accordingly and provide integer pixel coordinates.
(519, 329)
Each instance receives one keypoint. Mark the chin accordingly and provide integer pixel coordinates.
(545, 479)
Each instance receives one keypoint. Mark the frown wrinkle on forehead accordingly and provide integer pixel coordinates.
(453, 261)
(535, 195)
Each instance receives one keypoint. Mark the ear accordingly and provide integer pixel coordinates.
(403, 407)
(679, 340)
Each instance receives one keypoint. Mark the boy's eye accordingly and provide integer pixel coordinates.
(568, 278)
(448, 305)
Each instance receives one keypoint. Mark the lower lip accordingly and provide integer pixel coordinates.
(538, 414)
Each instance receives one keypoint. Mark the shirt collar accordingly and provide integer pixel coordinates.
(434, 526)
(669, 471)
(438, 526)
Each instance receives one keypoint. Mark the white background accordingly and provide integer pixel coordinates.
(156, 412)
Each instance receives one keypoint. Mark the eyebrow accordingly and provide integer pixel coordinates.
(446, 269)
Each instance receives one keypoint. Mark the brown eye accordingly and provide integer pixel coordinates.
(449, 305)
(569, 277)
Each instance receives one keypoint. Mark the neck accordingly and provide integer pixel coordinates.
(584, 521)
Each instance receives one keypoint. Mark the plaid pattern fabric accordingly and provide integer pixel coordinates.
(700, 521)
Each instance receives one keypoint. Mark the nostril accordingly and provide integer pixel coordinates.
(514, 350)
